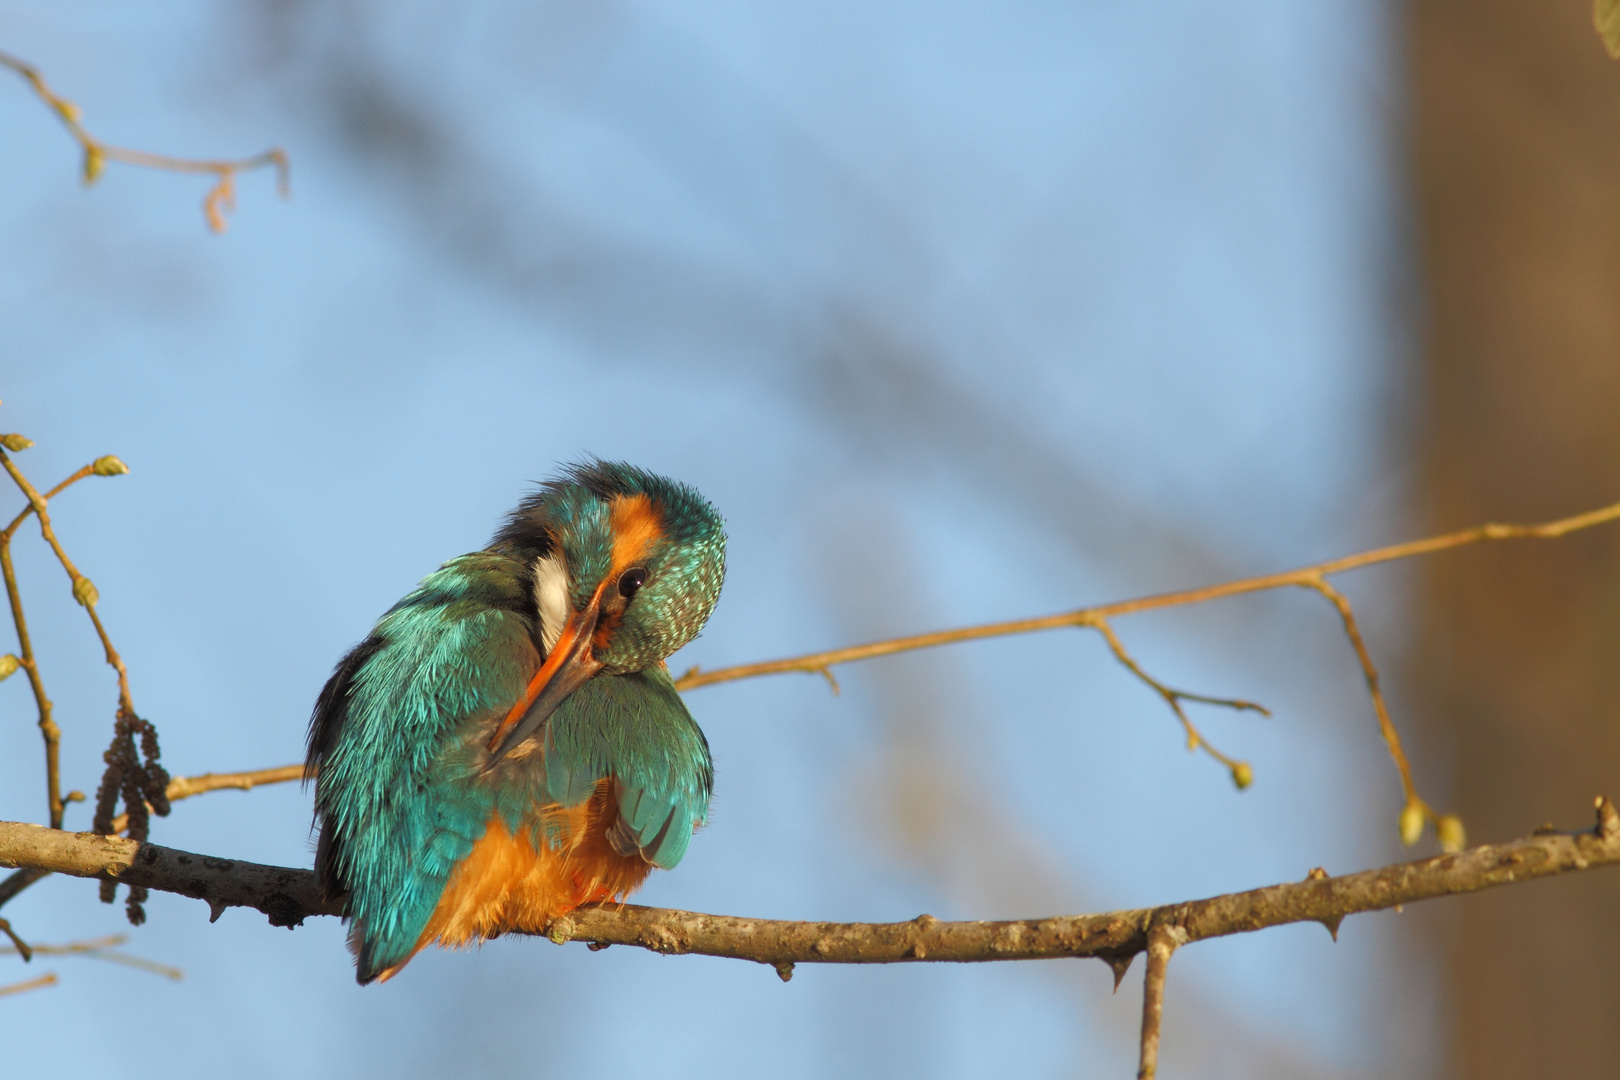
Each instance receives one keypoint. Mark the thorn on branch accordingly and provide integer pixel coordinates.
(1119, 965)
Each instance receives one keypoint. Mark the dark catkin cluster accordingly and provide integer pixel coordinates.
(134, 776)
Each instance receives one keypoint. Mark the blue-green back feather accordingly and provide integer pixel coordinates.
(393, 787)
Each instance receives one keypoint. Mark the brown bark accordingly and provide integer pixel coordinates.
(288, 896)
(1515, 140)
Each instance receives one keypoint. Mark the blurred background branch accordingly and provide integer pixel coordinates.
(221, 198)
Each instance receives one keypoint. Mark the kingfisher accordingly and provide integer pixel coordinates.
(507, 743)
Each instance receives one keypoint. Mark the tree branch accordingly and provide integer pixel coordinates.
(288, 896)
(1162, 941)
(220, 199)
(184, 787)
(1415, 810)
(47, 979)
(817, 663)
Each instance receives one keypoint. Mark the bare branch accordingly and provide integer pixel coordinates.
(818, 662)
(1242, 773)
(84, 591)
(47, 979)
(220, 199)
(1162, 941)
(288, 896)
(184, 787)
(49, 730)
(1310, 577)
(102, 948)
(17, 943)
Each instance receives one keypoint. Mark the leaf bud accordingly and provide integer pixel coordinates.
(8, 666)
(1242, 775)
(15, 442)
(108, 466)
(1411, 823)
(84, 591)
(1452, 835)
(94, 162)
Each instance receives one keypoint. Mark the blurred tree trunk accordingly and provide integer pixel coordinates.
(1515, 140)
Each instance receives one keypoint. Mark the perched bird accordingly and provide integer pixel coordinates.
(507, 743)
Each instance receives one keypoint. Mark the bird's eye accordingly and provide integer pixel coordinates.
(631, 580)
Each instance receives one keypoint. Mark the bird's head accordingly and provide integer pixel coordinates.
(627, 567)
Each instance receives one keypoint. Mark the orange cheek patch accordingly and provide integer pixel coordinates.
(637, 526)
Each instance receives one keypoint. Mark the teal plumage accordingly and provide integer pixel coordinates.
(454, 715)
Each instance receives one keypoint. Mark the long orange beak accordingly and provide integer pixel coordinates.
(570, 663)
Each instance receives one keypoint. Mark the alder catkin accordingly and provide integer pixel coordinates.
(135, 778)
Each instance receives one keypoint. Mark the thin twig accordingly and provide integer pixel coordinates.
(139, 963)
(1311, 577)
(99, 949)
(1242, 774)
(18, 880)
(75, 948)
(104, 948)
(220, 199)
(816, 662)
(11, 529)
(184, 787)
(17, 943)
(84, 591)
(1370, 671)
(48, 729)
(47, 979)
(1161, 943)
(1415, 810)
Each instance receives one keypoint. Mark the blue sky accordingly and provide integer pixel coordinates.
(957, 312)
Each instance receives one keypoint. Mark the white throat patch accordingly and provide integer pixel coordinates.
(551, 597)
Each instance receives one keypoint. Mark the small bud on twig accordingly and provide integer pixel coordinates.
(1242, 775)
(108, 466)
(84, 591)
(1451, 833)
(94, 162)
(1411, 824)
(8, 666)
(15, 442)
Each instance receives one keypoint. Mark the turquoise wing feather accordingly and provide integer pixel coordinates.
(636, 729)
(396, 790)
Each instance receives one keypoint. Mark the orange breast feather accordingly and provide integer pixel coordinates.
(516, 881)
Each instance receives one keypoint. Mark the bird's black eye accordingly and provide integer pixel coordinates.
(631, 580)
